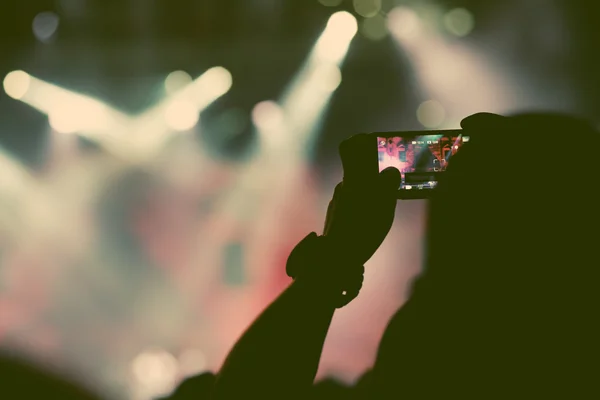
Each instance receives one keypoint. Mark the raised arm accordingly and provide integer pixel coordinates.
(278, 356)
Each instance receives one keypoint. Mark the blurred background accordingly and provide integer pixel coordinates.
(160, 159)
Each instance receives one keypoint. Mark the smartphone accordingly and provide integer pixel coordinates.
(421, 157)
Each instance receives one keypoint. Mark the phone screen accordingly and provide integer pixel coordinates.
(420, 157)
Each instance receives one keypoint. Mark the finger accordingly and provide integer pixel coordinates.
(359, 158)
(480, 121)
(390, 179)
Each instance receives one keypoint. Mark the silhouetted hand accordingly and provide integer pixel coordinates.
(549, 125)
(359, 218)
(361, 213)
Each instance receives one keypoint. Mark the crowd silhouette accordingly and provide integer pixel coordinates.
(505, 307)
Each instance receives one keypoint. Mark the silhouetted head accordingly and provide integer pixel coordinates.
(195, 387)
(21, 380)
(509, 216)
(507, 301)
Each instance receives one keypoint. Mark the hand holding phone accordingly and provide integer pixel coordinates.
(350, 220)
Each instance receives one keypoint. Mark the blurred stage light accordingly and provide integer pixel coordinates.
(328, 77)
(178, 112)
(133, 138)
(333, 44)
(68, 111)
(453, 73)
(459, 22)
(192, 362)
(342, 24)
(61, 122)
(181, 115)
(16, 84)
(367, 8)
(431, 114)
(374, 28)
(215, 82)
(268, 116)
(45, 26)
(71, 115)
(404, 22)
(331, 3)
(155, 371)
(176, 81)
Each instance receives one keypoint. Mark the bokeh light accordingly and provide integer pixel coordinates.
(404, 22)
(176, 81)
(374, 28)
(459, 22)
(219, 81)
(333, 43)
(182, 115)
(431, 114)
(367, 8)
(16, 84)
(45, 25)
(268, 116)
(155, 371)
(343, 24)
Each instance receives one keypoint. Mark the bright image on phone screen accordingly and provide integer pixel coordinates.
(421, 159)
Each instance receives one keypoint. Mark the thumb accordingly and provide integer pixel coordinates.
(390, 179)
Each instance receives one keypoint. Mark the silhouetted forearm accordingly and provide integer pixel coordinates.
(278, 356)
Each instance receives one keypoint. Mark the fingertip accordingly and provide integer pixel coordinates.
(483, 119)
(391, 177)
(389, 171)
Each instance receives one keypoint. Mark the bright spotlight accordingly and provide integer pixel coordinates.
(211, 85)
(329, 77)
(431, 114)
(218, 81)
(45, 26)
(333, 43)
(460, 22)
(268, 116)
(16, 84)
(176, 81)
(181, 115)
(343, 24)
(404, 22)
(76, 115)
(61, 122)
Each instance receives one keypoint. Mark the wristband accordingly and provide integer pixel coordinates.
(316, 262)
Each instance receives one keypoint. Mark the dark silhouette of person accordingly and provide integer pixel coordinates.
(22, 380)
(505, 306)
(194, 388)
